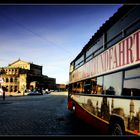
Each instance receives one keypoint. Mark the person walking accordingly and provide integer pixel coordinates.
(4, 90)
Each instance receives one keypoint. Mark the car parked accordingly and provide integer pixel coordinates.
(35, 93)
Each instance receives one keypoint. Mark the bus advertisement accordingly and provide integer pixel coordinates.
(104, 80)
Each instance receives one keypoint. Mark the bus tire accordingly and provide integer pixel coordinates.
(116, 129)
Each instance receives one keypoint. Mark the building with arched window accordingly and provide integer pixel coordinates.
(21, 76)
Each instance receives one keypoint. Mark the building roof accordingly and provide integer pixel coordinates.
(19, 60)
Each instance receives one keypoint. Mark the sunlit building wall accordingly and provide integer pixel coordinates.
(21, 76)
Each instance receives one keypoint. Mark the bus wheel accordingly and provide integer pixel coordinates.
(116, 129)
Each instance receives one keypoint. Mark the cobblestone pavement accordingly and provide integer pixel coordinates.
(44, 115)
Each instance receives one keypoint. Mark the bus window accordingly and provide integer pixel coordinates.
(131, 82)
(99, 87)
(79, 62)
(113, 84)
(132, 73)
(70, 88)
(73, 88)
(87, 87)
(94, 86)
(79, 87)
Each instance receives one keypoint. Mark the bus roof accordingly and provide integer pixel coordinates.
(105, 26)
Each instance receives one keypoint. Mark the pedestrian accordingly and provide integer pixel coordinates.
(4, 89)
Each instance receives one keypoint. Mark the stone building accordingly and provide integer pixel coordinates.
(21, 76)
(60, 87)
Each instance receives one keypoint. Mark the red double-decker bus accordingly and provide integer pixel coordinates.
(104, 78)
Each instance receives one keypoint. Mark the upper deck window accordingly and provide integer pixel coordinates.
(95, 49)
(123, 27)
(79, 61)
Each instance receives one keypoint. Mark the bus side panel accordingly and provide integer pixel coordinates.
(70, 104)
(98, 111)
(92, 120)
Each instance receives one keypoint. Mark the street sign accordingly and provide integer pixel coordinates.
(1, 80)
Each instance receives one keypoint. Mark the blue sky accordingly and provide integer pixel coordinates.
(49, 35)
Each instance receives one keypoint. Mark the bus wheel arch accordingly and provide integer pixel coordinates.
(116, 126)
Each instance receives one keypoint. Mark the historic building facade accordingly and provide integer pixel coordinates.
(21, 76)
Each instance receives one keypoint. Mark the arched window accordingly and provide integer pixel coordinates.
(11, 88)
(16, 80)
(7, 80)
(15, 90)
(11, 79)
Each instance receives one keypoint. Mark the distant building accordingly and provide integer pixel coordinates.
(61, 87)
(21, 76)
